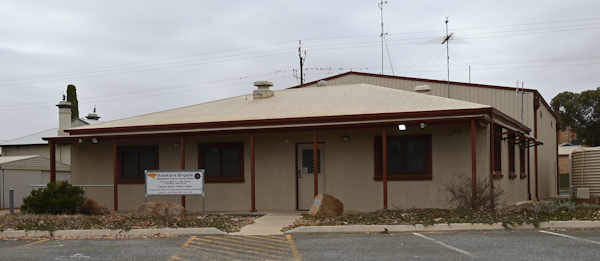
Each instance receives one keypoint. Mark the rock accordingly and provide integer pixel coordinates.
(92, 207)
(325, 205)
(525, 206)
(164, 209)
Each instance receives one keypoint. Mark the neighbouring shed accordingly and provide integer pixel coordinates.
(18, 172)
(585, 172)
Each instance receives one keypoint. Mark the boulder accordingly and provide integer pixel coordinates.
(164, 209)
(92, 207)
(525, 206)
(325, 205)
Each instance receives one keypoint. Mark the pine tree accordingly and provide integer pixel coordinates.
(72, 98)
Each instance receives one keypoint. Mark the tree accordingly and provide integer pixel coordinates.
(72, 98)
(581, 112)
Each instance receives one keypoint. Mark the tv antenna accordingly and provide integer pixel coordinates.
(302, 59)
(447, 41)
(382, 35)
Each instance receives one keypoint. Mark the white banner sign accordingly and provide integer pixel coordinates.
(174, 182)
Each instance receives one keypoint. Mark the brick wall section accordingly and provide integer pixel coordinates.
(564, 164)
(566, 135)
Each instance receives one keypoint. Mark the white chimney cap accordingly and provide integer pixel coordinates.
(321, 83)
(263, 84)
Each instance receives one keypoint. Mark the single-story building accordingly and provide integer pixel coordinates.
(18, 172)
(370, 146)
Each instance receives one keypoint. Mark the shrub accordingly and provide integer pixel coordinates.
(460, 188)
(57, 198)
(550, 207)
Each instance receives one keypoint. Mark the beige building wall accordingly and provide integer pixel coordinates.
(349, 170)
(547, 154)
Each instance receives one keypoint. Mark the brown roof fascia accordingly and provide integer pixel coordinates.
(254, 123)
(536, 93)
(441, 122)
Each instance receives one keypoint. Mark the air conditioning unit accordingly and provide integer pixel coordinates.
(583, 193)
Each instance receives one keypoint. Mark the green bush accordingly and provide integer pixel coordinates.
(57, 198)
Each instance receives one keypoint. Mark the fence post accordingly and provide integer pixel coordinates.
(11, 196)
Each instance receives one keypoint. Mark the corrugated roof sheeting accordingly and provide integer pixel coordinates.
(33, 162)
(32, 139)
(354, 99)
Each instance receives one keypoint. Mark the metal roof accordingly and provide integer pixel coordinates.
(32, 139)
(31, 162)
(340, 100)
(8, 159)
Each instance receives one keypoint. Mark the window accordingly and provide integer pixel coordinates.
(522, 162)
(511, 158)
(222, 162)
(498, 152)
(134, 160)
(408, 157)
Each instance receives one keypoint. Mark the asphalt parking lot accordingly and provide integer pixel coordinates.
(484, 245)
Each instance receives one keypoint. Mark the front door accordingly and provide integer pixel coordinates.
(305, 174)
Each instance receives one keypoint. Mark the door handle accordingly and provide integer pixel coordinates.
(299, 174)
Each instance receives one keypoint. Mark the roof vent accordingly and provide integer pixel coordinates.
(425, 89)
(321, 83)
(93, 115)
(263, 90)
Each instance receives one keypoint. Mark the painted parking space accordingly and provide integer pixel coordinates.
(268, 247)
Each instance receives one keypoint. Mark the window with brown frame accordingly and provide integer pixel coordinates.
(408, 157)
(498, 152)
(134, 160)
(511, 158)
(222, 162)
(522, 162)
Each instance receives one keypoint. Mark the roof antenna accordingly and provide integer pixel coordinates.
(302, 59)
(446, 41)
(382, 35)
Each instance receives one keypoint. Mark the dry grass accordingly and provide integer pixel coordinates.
(448, 216)
(120, 221)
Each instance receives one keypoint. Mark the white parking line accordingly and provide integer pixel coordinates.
(571, 237)
(446, 245)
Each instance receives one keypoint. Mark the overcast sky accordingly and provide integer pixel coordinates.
(130, 58)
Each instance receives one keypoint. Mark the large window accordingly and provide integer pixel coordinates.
(222, 162)
(134, 160)
(408, 157)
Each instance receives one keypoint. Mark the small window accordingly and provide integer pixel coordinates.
(522, 161)
(134, 160)
(497, 151)
(222, 162)
(408, 157)
(511, 158)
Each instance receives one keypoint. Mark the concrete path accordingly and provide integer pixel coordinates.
(269, 224)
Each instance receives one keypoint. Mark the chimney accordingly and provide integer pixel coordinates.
(64, 117)
(263, 90)
(424, 89)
